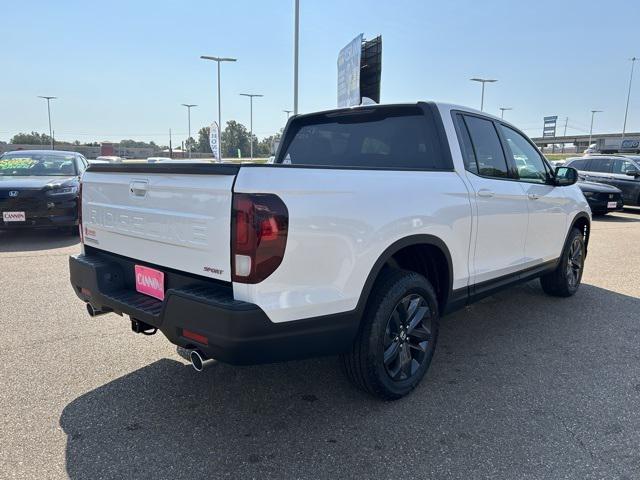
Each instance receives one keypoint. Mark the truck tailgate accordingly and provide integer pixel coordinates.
(175, 220)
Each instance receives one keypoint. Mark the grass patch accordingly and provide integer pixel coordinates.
(560, 156)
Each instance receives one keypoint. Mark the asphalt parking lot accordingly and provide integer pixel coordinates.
(522, 386)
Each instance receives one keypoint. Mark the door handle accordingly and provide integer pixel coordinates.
(484, 192)
(533, 196)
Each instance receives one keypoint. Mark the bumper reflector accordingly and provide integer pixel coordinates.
(196, 337)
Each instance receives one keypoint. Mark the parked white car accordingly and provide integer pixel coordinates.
(372, 223)
(110, 158)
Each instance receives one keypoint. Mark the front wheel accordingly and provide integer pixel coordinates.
(397, 339)
(565, 279)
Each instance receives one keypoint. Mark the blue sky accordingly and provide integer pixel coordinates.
(122, 69)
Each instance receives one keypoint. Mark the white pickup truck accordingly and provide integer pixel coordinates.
(371, 224)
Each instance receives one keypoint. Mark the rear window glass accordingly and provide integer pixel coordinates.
(397, 138)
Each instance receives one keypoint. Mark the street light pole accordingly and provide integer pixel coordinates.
(189, 106)
(251, 95)
(219, 60)
(626, 110)
(296, 36)
(288, 112)
(48, 99)
(593, 112)
(483, 81)
(502, 109)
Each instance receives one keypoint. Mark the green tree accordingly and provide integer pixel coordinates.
(128, 143)
(234, 137)
(190, 144)
(203, 140)
(33, 138)
(266, 145)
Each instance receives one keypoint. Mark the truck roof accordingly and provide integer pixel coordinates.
(442, 106)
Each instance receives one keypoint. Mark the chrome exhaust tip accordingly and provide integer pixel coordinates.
(94, 312)
(199, 361)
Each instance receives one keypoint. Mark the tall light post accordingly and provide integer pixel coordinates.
(503, 109)
(251, 95)
(48, 99)
(593, 112)
(219, 60)
(626, 110)
(288, 112)
(483, 81)
(189, 107)
(296, 36)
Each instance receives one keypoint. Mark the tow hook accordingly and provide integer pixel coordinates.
(144, 328)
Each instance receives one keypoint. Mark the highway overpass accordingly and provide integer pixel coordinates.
(582, 141)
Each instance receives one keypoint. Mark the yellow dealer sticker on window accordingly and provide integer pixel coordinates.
(14, 163)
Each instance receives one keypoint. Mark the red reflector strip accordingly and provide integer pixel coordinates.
(196, 337)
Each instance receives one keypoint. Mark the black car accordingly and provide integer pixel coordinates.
(39, 188)
(601, 198)
(622, 172)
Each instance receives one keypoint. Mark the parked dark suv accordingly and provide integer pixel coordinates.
(617, 170)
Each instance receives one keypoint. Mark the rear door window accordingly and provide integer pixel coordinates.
(601, 165)
(487, 147)
(396, 138)
(466, 147)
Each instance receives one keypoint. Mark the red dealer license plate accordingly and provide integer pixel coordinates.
(150, 282)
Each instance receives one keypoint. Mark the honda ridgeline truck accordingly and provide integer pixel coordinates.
(371, 224)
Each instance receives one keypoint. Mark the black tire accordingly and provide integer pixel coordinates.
(401, 321)
(565, 279)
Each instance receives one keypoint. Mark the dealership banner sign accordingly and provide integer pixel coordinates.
(214, 141)
(349, 60)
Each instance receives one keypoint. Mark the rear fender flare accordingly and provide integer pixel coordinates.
(421, 239)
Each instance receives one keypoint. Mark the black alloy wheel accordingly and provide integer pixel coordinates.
(407, 337)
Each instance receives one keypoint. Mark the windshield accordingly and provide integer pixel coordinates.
(37, 164)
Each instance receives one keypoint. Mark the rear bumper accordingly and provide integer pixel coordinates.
(236, 332)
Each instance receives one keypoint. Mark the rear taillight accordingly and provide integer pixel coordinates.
(80, 213)
(259, 228)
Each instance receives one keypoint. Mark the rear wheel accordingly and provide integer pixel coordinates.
(397, 339)
(565, 279)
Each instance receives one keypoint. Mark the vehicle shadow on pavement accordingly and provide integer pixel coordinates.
(521, 385)
(32, 240)
(613, 218)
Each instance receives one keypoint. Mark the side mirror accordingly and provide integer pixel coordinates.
(633, 172)
(566, 176)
